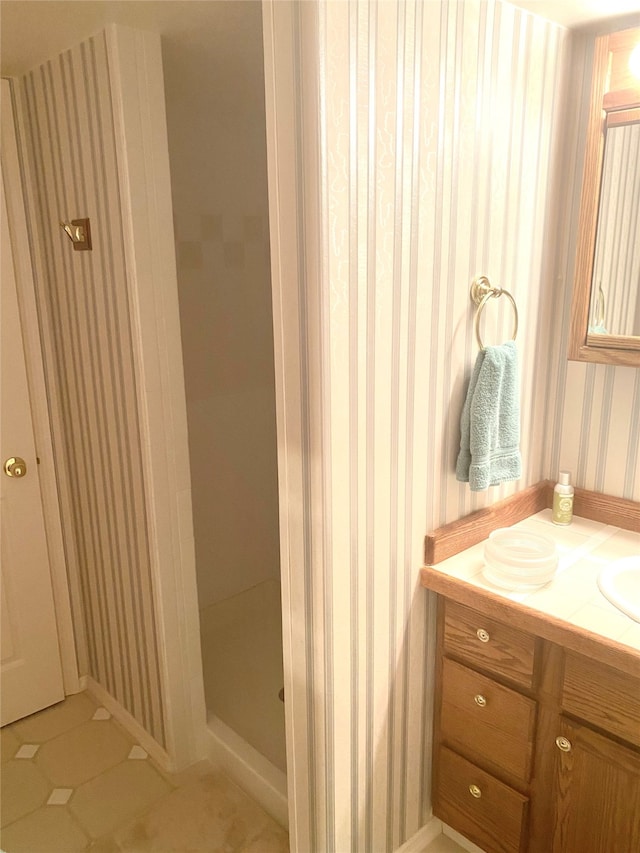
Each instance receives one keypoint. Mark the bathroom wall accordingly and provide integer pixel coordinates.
(215, 116)
(69, 153)
(593, 424)
(411, 149)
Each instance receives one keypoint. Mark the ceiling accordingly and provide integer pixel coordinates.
(575, 13)
(33, 31)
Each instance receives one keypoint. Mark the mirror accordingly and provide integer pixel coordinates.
(605, 325)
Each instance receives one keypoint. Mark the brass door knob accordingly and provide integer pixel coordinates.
(482, 635)
(480, 700)
(475, 791)
(563, 744)
(15, 467)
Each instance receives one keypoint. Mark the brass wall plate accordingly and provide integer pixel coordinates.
(83, 242)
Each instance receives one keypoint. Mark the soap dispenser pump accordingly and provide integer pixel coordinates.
(563, 500)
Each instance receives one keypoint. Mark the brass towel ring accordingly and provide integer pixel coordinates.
(481, 292)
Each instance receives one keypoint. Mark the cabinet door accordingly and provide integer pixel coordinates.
(597, 792)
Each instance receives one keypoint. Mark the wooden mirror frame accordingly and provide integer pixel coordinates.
(611, 91)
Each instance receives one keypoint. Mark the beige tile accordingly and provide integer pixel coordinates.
(582, 526)
(189, 255)
(272, 840)
(184, 777)
(624, 543)
(443, 844)
(631, 637)
(601, 621)
(27, 750)
(9, 743)
(50, 828)
(55, 720)
(211, 226)
(210, 813)
(24, 789)
(106, 802)
(59, 796)
(253, 227)
(104, 845)
(554, 603)
(233, 254)
(82, 753)
(565, 537)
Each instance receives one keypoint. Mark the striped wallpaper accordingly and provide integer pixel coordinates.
(592, 423)
(69, 146)
(423, 158)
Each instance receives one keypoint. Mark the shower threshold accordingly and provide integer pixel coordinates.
(248, 768)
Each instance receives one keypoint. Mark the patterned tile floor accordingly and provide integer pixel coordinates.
(73, 780)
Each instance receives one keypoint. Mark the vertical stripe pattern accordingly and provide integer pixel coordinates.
(69, 145)
(424, 152)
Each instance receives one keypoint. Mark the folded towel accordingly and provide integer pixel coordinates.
(490, 422)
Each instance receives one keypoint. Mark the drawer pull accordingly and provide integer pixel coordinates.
(482, 635)
(480, 700)
(475, 791)
(563, 744)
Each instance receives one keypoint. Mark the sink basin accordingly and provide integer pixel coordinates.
(620, 584)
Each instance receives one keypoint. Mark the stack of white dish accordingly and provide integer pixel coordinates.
(519, 560)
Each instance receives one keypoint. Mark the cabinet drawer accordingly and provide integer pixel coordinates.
(495, 818)
(489, 644)
(484, 719)
(601, 695)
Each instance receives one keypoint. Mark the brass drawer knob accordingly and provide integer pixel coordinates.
(480, 700)
(475, 791)
(563, 744)
(482, 635)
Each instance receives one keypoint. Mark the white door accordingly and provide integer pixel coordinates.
(30, 668)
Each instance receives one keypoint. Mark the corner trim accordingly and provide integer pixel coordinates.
(137, 86)
(129, 723)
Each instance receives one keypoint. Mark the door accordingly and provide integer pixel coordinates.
(597, 791)
(30, 667)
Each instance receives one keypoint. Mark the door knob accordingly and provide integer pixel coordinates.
(15, 467)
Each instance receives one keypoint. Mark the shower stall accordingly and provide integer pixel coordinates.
(216, 130)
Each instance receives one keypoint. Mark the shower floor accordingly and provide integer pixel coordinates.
(242, 665)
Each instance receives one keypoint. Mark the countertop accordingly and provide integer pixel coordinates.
(572, 597)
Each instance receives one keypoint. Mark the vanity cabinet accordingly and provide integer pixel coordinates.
(596, 794)
(536, 748)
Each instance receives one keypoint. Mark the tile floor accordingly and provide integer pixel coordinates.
(73, 780)
(242, 667)
(444, 844)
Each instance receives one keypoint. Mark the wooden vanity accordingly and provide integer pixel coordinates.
(536, 727)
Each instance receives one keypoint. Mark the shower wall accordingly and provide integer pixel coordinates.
(216, 126)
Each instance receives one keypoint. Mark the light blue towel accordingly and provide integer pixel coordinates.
(490, 422)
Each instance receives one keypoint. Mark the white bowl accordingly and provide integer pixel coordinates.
(519, 560)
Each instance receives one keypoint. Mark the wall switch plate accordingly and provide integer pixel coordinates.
(79, 232)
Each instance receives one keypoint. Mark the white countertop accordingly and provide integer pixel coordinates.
(585, 547)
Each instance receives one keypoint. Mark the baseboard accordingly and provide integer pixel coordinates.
(129, 723)
(460, 839)
(248, 768)
(423, 837)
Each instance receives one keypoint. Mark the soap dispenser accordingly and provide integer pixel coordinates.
(563, 500)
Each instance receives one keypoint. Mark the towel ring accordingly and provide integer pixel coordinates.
(481, 292)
